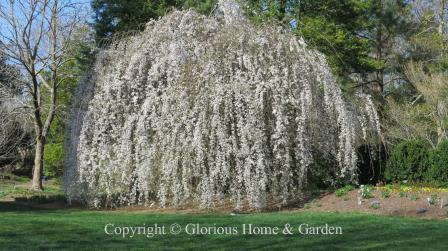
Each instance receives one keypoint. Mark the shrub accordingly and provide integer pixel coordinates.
(322, 174)
(53, 159)
(375, 206)
(344, 190)
(409, 160)
(432, 200)
(438, 172)
(365, 191)
(385, 194)
(414, 197)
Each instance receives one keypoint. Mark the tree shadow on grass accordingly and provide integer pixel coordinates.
(42, 199)
(12, 206)
(35, 203)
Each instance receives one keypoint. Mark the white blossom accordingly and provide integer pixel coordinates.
(201, 109)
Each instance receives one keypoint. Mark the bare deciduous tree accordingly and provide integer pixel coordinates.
(419, 120)
(12, 121)
(433, 87)
(35, 35)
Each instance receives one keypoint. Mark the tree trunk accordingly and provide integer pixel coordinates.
(441, 130)
(442, 17)
(282, 10)
(38, 164)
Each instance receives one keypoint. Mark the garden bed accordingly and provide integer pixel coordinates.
(421, 202)
(390, 200)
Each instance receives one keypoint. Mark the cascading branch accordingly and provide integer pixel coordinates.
(199, 108)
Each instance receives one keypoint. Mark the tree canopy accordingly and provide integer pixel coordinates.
(112, 16)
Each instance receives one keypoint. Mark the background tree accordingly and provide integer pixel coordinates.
(358, 36)
(112, 16)
(417, 110)
(388, 27)
(13, 120)
(80, 58)
(35, 35)
(9, 76)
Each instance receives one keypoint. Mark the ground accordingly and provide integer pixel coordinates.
(42, 221)
(413, 204)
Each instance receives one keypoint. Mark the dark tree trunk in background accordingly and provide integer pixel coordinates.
(283, 5)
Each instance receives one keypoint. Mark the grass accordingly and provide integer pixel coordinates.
(22, 228)
(27, 228)
(16, 187)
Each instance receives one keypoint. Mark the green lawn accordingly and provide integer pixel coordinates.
(42, 229)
